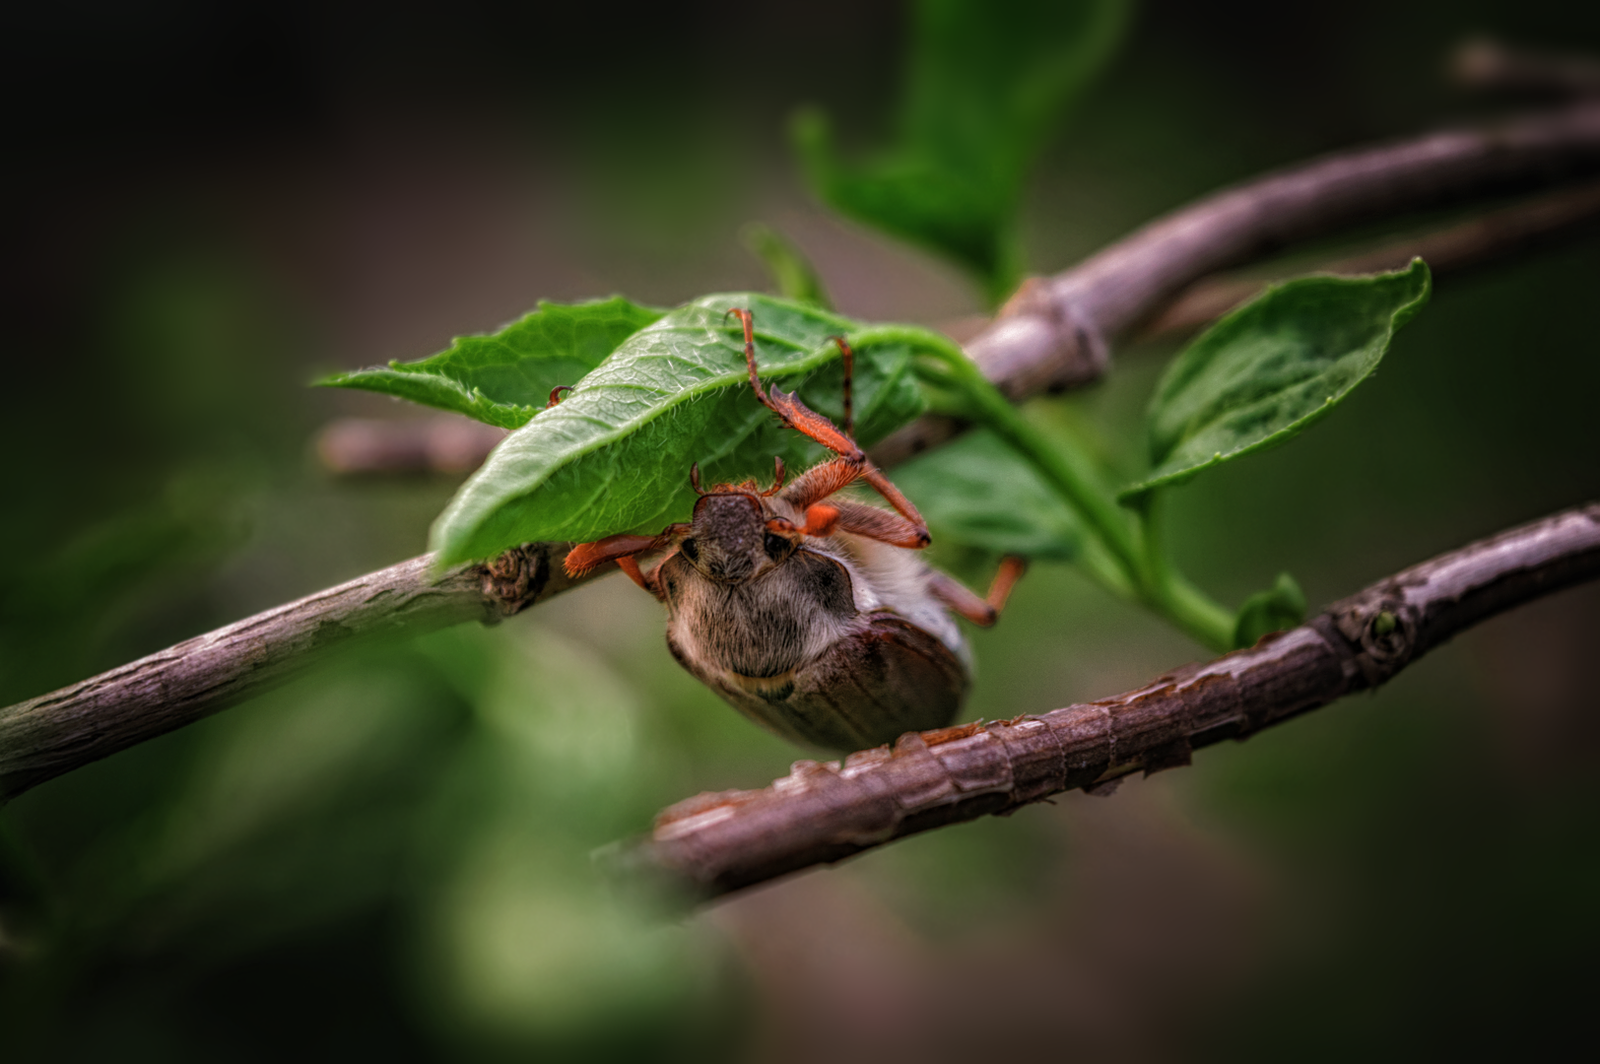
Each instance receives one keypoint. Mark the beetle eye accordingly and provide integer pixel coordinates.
(776, 546)
(690, 550)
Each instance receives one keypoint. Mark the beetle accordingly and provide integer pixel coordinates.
(811, 614)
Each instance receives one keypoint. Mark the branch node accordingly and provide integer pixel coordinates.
(512, 582)
(1043, 340)
(1381, 630)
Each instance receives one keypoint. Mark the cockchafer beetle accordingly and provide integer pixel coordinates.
(810, 614)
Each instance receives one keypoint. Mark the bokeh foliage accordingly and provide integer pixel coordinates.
(382, 860)
(984, 89)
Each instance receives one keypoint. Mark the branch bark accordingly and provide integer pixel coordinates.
(1494, 235)
(713, 844)
(1053, 334)
(55, 733)
(1490, 66)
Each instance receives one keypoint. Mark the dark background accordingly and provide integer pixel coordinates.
(208, 205)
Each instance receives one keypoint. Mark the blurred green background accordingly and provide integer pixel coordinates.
(207, 206)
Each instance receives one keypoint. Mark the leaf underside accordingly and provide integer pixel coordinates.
(614, 456)
(1267, 371)
(505, 378)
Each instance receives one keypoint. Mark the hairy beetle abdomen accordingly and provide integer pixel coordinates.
(885, 678)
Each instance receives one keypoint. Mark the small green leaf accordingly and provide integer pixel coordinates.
(985, 86)
(1265, 372)
(791, 271)
(505, 378)
(1279, 607)
(976, 492)
(614, 456)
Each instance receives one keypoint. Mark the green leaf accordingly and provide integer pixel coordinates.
(975, 492)
(505, 378)
(1265, 372)
(614, 456)
(791, 271)
(1281, 606)
(985, 86)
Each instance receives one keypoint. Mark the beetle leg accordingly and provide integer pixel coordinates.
(980, 611)
(819, 483)
(901, 504)
(1012, 567)
(852, 464)
(788, 407)
(628, 565)
(878, 524)
(849, 357)
(821, 520)
(586, 557)
(555, 394)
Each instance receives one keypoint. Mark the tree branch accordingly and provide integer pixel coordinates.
(1055, 332)
(716, 843)
(1051, 335)
(445, 443)
(58, 732)
(450, 443)
(1489, 66)
(1495, 235)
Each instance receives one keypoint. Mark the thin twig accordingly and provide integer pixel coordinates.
(716, 843)
(447, 443)
(1051, 335)
(1492, 236)
(1489, 66)
(55, 733)
(1055, 333)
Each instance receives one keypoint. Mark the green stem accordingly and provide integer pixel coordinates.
(1131, 565)
(1198, 614)
(1165, 588)
(1070, 472)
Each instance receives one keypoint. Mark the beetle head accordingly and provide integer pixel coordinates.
(730, 541)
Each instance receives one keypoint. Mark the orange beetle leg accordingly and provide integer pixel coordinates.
(881, 525)
(794, 413)
(586, 557)
(820, 520)
(962, 599)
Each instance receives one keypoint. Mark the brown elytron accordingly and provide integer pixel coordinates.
(810, 614)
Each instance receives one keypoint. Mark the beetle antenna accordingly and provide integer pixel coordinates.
(777, 484)
(555, 394)
(694, 478)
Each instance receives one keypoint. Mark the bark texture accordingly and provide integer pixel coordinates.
(55, 733)
(716, 843)
(1491, 237)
